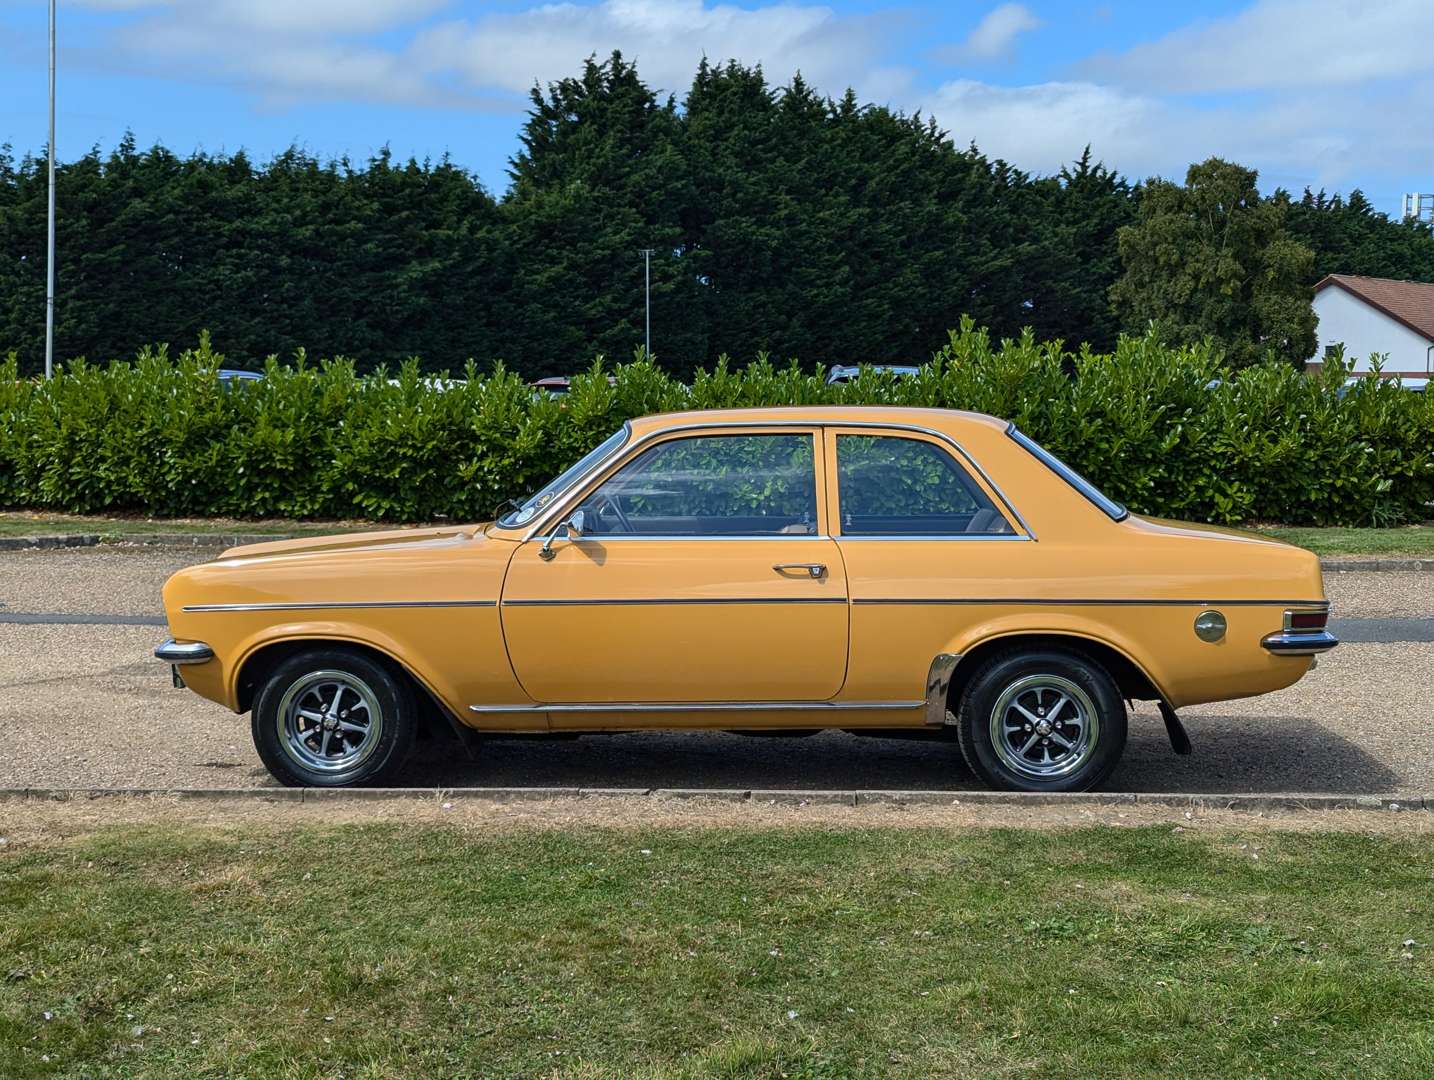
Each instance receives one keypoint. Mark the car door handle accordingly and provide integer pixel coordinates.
(815, 570)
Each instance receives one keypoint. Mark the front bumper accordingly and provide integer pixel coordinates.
(1299, 642)
(189, 652)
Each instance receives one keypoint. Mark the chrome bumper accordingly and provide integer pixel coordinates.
(1299, 642)
(190, 652)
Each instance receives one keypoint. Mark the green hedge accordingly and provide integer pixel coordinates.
(161, 436)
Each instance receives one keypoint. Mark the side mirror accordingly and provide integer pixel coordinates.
(572, 530)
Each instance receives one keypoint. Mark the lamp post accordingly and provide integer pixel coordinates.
(647, 290)
(50, 222)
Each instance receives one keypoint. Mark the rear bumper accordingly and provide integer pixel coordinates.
(1299, 642)
(189, 652)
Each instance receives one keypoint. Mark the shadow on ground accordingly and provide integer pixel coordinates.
(1232, 754)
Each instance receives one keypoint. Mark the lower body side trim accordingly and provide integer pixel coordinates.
(701, 706)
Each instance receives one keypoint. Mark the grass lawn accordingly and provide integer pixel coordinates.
(1406, 540)
(382, 949)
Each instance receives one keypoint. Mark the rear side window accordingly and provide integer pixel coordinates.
(1112, 509)
(889, 485)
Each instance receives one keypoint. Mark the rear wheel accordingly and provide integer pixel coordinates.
(333, 718)
(1042, 720)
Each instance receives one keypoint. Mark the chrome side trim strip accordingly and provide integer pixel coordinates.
(664, 600)
(1059, 601)
(938, 685)
(343, 605)
(1299, 642)
(853, 538)
(605, 538)
(561, 503)
(702, 706)
(190, 652)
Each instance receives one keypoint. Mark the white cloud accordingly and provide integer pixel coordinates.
(995, 35)
(1329, 138)
(1282, 44)
(667, 38)
(1321, 92)
(1042, 127)
(284, 52)
(282, 16)
(290, 51)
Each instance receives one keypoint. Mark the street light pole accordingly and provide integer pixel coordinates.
(50, 240)
(647, 289)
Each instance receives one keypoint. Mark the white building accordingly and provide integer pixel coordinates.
(1376, 315)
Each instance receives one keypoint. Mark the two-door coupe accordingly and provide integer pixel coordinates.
(787, 570)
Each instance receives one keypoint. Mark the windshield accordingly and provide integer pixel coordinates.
(1111, 508)
(533, 505)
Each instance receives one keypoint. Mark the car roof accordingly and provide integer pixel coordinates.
(940, 419)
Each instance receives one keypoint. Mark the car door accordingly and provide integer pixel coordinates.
(703, 573)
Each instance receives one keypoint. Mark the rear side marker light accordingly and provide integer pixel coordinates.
(1308, 620)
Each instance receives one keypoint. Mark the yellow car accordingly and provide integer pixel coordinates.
(872, 569)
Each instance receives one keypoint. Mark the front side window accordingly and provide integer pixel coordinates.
(895, 486)
(710, 485)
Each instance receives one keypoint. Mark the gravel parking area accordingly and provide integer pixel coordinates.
(86, 706)
(118, 579)
(1356, 594)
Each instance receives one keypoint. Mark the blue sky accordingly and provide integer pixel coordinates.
(1326, 93)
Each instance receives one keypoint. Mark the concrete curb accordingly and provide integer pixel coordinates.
(1336, 566)
(782, 797)
(67, 540)
(225, 540)
(76, 540)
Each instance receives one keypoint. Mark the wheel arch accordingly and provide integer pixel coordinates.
(434, 717)
(1131, 678)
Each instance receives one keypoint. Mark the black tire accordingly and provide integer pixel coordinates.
(1046, 675)
(367, 690)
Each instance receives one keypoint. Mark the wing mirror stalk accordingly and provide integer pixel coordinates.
(571, 530)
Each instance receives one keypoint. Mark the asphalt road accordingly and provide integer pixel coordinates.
(83, 704)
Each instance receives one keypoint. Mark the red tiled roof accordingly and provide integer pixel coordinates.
(1407, 302)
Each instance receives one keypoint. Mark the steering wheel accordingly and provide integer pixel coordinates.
(606, 502)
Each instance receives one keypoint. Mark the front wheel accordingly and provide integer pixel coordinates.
(1042, 720)
(333, 718)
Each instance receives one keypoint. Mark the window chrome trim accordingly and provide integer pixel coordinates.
(1117, 512)
(561, 503)
(343, 605)
(626, 429)
(962, 456)
(703, 706)
(659, 600)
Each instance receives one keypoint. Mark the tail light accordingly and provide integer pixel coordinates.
(1307, 620)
